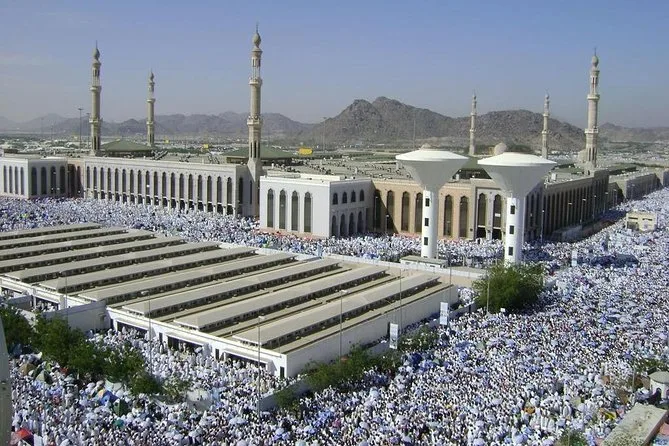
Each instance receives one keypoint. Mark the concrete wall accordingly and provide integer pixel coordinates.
(92, 316)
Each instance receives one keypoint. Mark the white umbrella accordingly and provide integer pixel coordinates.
(242, 443)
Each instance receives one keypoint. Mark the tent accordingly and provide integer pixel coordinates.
(26, 368)
(120, 407)
(20, 437)
(105, 396)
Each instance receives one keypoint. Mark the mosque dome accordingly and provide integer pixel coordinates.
(595, 60)
(499, 149)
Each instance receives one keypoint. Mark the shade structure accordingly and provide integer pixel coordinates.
(431, 168)
(516, 174)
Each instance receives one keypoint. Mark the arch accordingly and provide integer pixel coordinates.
(352, 196)
(33, 181)
(270, 208)
(164, 184)
(404, 218)
(282, 209)
(199, 188)
(448, 216)
(154, 189)
(228, 193)
(116, 180)
(418, 213)
(351, 224)
(23, 180)
(333, 227)
(342, 226)
(95, 178)
(173, 184)
(376, 223)
(481, 216)
(240, 193)
(294, 211)
(9, 180)
(464, 217)
(62, 183)
(123, 181)
(131, 176)
(43, 178)
(16, 179)
(140, 181)
(497, 217)
(219, 190)
(307, 212)
(88, 176)
(147, 184)
(182, 186)
(344, 198)
(390, 211)
(53, 180)
(109, 179)
(209, 187)
(533, 211)
(362, 195)
(4, 179)
(361, 227)
(335, 198)
(190, 195)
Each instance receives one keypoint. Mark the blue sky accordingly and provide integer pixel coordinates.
(320, 56)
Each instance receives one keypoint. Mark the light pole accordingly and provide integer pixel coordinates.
(594, 203)
(543, 216)
(260, 318)
(341, 319)
(80, 110)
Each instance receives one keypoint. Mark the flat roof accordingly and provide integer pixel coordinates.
(641, 423)
(231, 311)
(55, 259)
(174, 280)
(280, 328)
(57, 237)
(97, 263)
(208, 293)
(46, 248)
(152, 268)
(47, 230)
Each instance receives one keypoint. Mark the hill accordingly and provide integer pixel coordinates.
(387, 120)
(614, 132)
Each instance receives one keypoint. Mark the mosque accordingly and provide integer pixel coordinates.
(469, 206)
(280, 309)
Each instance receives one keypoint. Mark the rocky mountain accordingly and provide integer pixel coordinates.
(228, 124)
(388, 120)
(614, 132)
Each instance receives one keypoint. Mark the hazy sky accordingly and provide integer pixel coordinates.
(319, 56)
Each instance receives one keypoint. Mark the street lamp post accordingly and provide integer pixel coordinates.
(543, 216)
(341, 320)
(594, 203)
(260, 318)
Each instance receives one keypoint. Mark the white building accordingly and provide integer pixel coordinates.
(297, 203)
(28, 177)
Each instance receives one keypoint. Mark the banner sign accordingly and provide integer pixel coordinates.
(394, 331)
(443, 313)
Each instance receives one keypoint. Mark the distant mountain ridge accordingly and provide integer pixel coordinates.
(614, 132)
(384, 120)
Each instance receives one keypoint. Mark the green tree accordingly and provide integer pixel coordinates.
(87, 359)
(572, 437)
(56, 339)
(514, 287)
(123, 364)
(17, 327)
(145, 383)
(175, 389)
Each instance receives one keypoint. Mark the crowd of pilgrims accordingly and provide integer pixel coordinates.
(490, 380)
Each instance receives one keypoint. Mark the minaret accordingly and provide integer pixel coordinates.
(96, 88)
(592, 131)
(151, 101)
(254, 122)
(472, 128)
(544, 132)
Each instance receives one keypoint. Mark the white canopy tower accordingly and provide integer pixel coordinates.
(431, 168)
(516, 174)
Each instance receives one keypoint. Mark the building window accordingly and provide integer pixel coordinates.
(335, 199)
(427, 202)
(510, 250)
(427, 222)
(424, 241)
(513, 209)
(512, 229)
